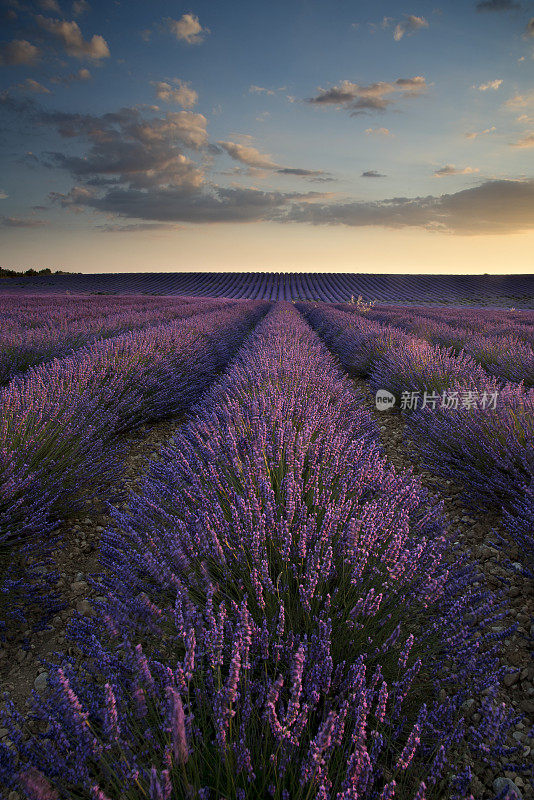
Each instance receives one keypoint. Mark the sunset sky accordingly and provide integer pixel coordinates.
(298, 136)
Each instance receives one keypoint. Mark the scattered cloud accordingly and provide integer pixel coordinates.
(483, 87)
(18, 222)
(450, 169)
(360, 99)
(137, 227)
(372, 173)
(310, 174)
(248, 155)
(19, 51)
(50, 5)
(497, 5)
(378, 132)
(187, 29)
(529, 30)
(124, 147)
(29, 85)
(70, 36)
(181, 93)
(3, 195)
(80, 7)
(526, 141)
(385, 23)
(218, 204)
(82, 74)
(407, 26)
(494, 207)
(475, 134)
(410, 25)
(260, 90)
(75, 200)
(520, 101)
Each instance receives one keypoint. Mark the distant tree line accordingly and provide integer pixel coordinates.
(12, 273)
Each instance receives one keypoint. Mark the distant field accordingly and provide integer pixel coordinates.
(474, 290)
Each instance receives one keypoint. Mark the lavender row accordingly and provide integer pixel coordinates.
(487, 322)
(502, 290)
(59, 424)
(285, 617)
(58, 420)
(24, 343)
(502, 348)
(466, 425)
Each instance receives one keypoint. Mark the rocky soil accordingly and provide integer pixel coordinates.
(21, 671)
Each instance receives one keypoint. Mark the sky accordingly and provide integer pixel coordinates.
(303, 135)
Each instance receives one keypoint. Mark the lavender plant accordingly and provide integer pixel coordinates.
(417, 366)
(40, 329)
(60, 423)
(286, 616)
(358, 343)
(490, 451)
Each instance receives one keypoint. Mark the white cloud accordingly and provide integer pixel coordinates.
(18, 51)
(18, 222)
(359, 99)
(79, 7)
(526, 141)
(29, 85)
(474, 134)
(492, 208)
(520, 101)
(249, 155)
(450, 169)
(3, 195)
(50, 5)
(483, 87)
(70, 36)
(410, 25)
(82, 74)
(187, 29)
(181, 93)
(378, 132)
(260, 89)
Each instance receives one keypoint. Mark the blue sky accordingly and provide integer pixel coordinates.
(165, 134)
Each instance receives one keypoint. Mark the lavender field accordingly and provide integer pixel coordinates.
(227, 573)
(501, 291)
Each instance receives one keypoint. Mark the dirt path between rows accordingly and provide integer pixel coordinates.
(20, 670)
(475, 531)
